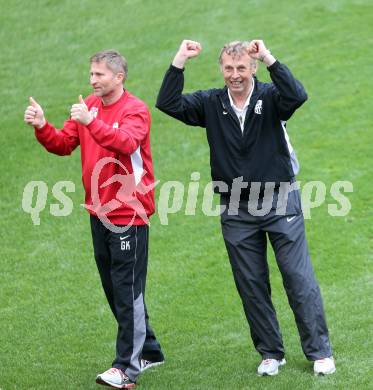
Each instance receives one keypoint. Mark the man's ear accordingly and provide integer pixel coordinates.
(120, 77)
(254, 67)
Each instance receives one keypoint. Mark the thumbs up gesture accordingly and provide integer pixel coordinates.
(34, 115)
(79, 112)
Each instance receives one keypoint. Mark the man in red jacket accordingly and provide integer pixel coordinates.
(112, 128)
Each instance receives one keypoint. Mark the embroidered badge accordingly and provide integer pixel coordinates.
(258, 107)
(94, 111)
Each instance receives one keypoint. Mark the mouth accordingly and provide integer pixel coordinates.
(236, 84)
(96, 90)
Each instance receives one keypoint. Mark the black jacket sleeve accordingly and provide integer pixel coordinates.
(187, 108)
(288, 93)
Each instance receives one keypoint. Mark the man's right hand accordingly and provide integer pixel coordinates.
(188, 49)
(34, 115)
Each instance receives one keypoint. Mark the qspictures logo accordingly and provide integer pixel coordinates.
(126, 196)
(177, 197)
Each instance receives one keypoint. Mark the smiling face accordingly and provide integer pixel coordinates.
(104, 81)
(238, 71)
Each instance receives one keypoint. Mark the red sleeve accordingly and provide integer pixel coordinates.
(61, 142)
(127, 137)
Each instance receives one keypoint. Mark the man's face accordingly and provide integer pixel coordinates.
(237, 72)
(103, 80)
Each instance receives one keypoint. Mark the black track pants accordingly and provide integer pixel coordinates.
(122, 264)
(245, 238)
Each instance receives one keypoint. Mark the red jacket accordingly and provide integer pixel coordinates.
(117, 144)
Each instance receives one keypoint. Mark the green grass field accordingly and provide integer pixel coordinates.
(56, 330)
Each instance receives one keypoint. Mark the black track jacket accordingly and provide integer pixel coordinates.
(260, 153)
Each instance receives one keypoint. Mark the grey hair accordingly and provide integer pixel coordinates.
(114, 60)
(235, 48)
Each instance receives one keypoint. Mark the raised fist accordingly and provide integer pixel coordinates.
(257, 50)
(188, 49)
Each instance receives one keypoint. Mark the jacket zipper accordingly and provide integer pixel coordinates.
(233, 116)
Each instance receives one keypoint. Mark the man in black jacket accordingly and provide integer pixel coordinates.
(253, 167)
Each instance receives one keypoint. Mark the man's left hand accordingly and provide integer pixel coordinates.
(79, 112)
(258, 51)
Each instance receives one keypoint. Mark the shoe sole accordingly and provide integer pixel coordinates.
(273, 373)
(100, 381)
(324, 373)
(152, 365)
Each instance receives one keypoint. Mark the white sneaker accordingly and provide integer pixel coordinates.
(324, 366)
(145, 364)
(270, 366)
(114, 377)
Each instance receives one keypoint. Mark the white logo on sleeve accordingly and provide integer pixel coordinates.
(258, 107)
(115, 125)
(290, 219)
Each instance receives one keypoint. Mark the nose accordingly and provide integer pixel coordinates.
(235, 74)
(92, 80)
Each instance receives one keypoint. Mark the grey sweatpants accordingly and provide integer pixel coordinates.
(245, 238)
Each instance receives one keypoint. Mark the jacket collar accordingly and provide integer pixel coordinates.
(225, 101)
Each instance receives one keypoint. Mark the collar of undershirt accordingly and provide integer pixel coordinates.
(247, 102)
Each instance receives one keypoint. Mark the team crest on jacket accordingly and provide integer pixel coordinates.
(258, 107)
(94, 111)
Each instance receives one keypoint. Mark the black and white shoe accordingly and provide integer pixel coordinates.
(146, 364)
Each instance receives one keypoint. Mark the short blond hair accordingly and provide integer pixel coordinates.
(235, 48)
(114, 60)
